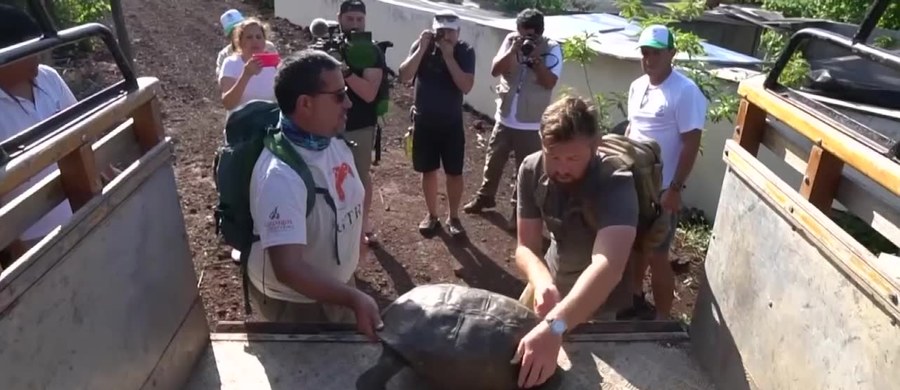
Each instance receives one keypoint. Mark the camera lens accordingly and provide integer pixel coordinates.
(527, 47)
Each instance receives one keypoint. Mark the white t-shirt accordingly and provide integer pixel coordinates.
(664, 112)
(51, 95)
(261, 86)
(553, 60)
(278, 207)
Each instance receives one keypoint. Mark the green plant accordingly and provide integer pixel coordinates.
(773, 43)
(847, 11)
(70, 13)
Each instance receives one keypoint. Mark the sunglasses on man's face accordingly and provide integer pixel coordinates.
(339, 95)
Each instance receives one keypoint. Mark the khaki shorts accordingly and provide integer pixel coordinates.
(275, 310)
(362, 153)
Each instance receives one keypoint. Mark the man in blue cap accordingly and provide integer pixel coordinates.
(665, 106)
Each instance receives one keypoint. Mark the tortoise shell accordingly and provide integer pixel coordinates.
(457, 337)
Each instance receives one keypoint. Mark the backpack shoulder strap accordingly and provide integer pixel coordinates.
(279, 146)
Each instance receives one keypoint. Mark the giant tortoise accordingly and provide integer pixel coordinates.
(453, 337)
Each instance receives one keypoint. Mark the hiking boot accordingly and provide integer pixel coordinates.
(429, 225)
(478, 204)
(454, 225)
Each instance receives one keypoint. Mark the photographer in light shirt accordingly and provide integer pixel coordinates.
(529, 65)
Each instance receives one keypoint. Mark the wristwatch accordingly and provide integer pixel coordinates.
(557, 326)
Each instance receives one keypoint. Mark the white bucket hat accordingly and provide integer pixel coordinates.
(445, 19)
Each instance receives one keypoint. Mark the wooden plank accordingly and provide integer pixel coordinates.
(148, 127)
(844, 252)
(788, 299)
(117, 150)
(588, 328)
(26, 209)
(751, 123)
(74, 136)
(881, 169)
(238, 364)
(39, 261)
(823, 175)
(79, 175)
(860, 195)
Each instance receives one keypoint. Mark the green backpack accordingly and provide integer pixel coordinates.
(248, 130)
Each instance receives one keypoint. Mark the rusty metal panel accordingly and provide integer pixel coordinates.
(289, 361)
(778, 306)
(97, 305)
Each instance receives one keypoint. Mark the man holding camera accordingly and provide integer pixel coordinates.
(529, 66)
(363, 87)
(444, 70)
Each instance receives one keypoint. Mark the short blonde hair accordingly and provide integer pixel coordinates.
(238, 31)
(568, 118)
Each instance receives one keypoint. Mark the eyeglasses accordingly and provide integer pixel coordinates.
(339, 95)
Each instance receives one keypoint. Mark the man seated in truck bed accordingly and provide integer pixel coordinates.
(30, 92)
(301, 269)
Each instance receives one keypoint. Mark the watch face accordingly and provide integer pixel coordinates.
(558, 326)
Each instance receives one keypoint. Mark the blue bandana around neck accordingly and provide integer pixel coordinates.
(301, 138)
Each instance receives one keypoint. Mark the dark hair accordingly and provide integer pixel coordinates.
(301, 74)
(569, 118)
(531, 18)
(16, 26)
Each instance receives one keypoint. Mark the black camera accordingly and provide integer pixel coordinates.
(328, 37)
(528, 46)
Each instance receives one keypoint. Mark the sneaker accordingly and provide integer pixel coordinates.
(455, 226)
(236, 256)
(479, 204)
(428, 225)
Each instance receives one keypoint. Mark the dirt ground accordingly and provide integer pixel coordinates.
(177, 42)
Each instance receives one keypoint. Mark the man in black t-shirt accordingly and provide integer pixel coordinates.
(362, 88)
(444, 69)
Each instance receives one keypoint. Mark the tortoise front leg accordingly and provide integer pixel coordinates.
(377, 377)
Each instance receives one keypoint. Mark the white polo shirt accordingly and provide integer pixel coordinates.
(278, 208)
(51, 95)
(663, 112)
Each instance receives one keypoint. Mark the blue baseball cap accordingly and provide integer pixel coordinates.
(229, 19)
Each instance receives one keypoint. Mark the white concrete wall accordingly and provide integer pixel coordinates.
(402, 24)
